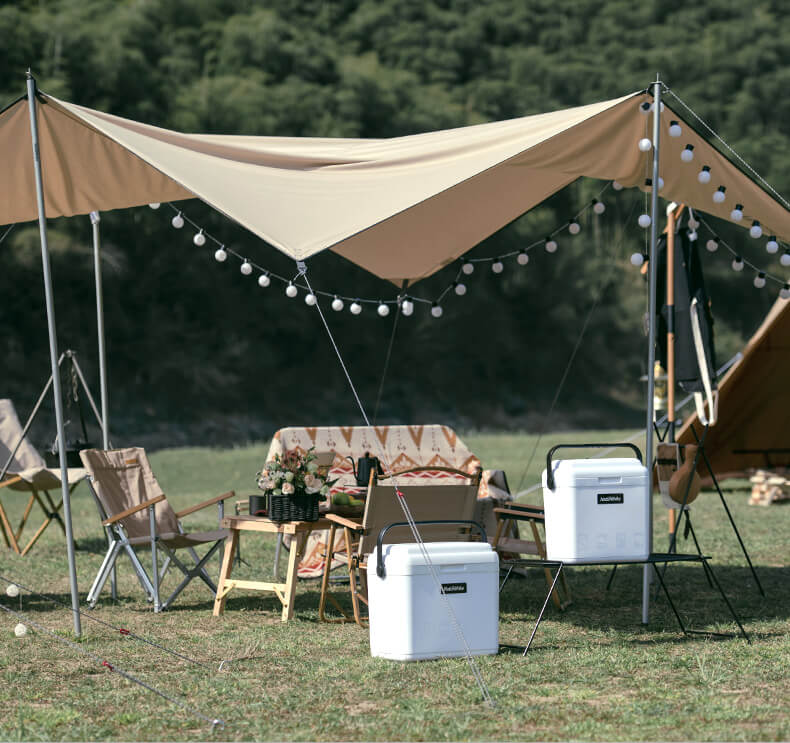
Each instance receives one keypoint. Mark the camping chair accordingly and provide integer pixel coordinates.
(426, 503)
(125, 488)
(508, 519)
(25, 470)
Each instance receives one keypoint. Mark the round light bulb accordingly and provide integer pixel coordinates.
(177, 221)
(692, 235)
(155, 205)
(436, 310)
(675, 129)
(687, 154)
(337, 304)
(383, 309)
(660, 183)
(737, 213)
(574, 227)
(522, 258)
(497, 266)
(355, 308)
(12, 590)
(737, 263)
(637, 259)
(599, 207)
(644, 220)
(755, 230)
(704, 175)
(460, 289)
(772, 246)
(468, 268)
(617, 186)
(290, 290)
(310, 299)
(759, 280)
(220, 255)
(20, 630)
(645, 145)
(718, 195)
(693, 223)
(199, 239)
(712, 245)
(551, 245)
(264, 280)
(407, 307)
(784, 292)
(246, 268)
(645, 107)
(785, 258)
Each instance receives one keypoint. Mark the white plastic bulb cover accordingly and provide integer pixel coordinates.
(599, 207)
(617, 186)
(644, 220)
(785, 259)
(718, 197)
(407, 307)
(310, 300)
(736, 215)
(574, 228)
(703, 176)
(177, 221)
(772, 246)
(291, 291)
(337, 304)
(436, 310)
(155, 205)
(468, 268)
(497, 266)
(784, 293)
(737, 265)
(755, 231)
(246, 268)
(199, 239)
(264, 280)
(551, 246)
(220, 255)
(712, 245)
(645, 145)
(675, 130)
(637, 259)
(686, 156)
(383, 310)
(522, 259)
(355, 308)
(759, 282)
(460, 289)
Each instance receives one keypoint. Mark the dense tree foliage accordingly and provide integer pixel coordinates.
(196, 350)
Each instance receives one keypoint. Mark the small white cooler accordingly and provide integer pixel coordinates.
(408, 617)
(598, 509)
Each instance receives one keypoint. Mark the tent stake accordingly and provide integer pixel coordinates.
(53, 352)
(651, 341)
(95, 219)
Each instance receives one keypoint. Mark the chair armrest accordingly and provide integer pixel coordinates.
(10, 481)
(133, 509)
(342, 521)
(206, 504)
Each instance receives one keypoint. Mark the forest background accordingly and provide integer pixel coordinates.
(200, 354)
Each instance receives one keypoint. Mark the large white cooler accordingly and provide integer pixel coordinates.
(598, 510)
(408, 616)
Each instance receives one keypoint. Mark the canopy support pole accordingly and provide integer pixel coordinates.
(651, 341)
(95, 219)
(53, 353)
(671, 341)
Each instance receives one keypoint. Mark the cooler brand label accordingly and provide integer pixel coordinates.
(610, 497)
(453, 588)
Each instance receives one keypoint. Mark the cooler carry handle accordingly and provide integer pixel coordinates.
(380, 556)
(550, 471)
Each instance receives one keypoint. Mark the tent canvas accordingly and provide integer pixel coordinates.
(754, 403)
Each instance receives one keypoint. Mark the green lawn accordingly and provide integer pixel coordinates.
(595, 673)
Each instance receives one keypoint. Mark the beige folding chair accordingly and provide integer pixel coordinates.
(24, 470)
(382, 508)
(135, 513)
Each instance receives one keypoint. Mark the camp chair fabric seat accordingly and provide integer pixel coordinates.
(129, 499)
(27, 472)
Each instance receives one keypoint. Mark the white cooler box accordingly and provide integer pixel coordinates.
(408, 617)
(598, 510)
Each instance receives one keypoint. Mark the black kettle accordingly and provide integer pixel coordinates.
(364, 467)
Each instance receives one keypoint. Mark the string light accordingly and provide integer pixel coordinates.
(737, 263)
(674, 129)
(155, 205)
(407, 307)
(436, 309)
(264, 280)
(290, 290)
(755, 230)
(645, 145)
(617, 186)
(337, 304)
(598, 206)
(644, 221)
(784, 292)
(246, 268)
(718, 195)
(522, 258)
(692, 235)
(497, 267)
(551, 245)
(785, 258)
(759, 280)
(460, 289)
(199, 239)
(356, 307)
(693, 223)
(737, 213)
(712, 245)
(704, 175)
(177, 221)
(468, 268)
(310, 299)
(220, 254)
(383, 310)
(687, 154)
(637, 259)
(574, 227)
(772, 246)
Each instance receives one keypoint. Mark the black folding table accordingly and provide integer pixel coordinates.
(654, 559)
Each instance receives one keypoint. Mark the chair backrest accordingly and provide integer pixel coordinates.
(121, 479)
(426, 503)
(26, 456)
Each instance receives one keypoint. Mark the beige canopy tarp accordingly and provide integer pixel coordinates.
(402, 208)
(754, 403)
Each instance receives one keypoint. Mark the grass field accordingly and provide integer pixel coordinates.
(595, 673)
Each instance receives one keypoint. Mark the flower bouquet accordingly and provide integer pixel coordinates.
(293, 486)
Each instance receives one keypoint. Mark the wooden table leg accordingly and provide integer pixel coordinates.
(231, 543)
(325, 579)
(297, 547)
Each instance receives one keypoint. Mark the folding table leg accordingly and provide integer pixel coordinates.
(227, 566)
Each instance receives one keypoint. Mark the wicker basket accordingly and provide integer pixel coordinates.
(296, 507)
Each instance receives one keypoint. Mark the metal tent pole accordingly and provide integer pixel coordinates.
(95, 219)
(53, 352)
(651, 350)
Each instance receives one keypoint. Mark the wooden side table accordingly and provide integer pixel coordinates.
(300, 530)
